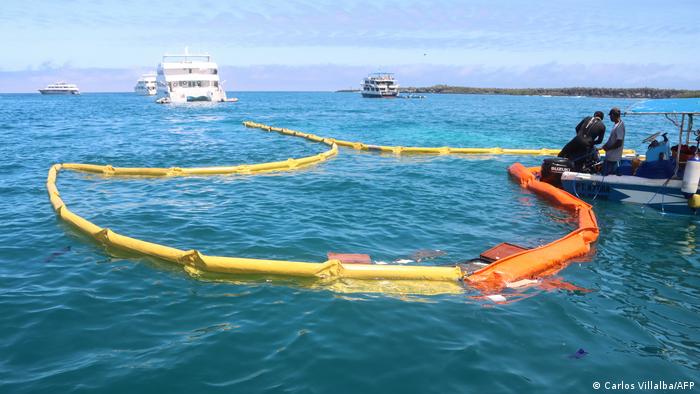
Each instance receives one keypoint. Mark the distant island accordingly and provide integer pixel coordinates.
(576, 91)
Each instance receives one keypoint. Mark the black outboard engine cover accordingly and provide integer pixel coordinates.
(553, 168)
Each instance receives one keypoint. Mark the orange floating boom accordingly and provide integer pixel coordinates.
(547, 258)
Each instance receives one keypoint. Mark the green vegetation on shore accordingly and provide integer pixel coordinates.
(575, 91)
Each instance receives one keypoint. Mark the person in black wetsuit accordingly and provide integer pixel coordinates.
(581, 149)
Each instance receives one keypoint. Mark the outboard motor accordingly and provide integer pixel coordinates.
(553, 168)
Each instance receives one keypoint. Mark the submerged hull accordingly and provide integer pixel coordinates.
(661, 194)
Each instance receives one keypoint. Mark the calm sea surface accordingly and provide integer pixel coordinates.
(75, 319)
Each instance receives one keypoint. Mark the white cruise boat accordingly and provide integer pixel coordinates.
(60, 88)
(188, 77)
(146, 85)
(380, 85)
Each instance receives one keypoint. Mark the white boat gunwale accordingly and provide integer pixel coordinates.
(664, 194)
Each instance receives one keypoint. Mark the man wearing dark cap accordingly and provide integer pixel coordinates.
(581, 149)
(613, 148)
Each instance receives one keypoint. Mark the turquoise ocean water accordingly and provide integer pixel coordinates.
(75, 319)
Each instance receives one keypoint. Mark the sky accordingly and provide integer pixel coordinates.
(322, 45)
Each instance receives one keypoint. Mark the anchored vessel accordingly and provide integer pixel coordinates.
(188, 77)
(60, 88)
(380, 85)
(667, 180)
(146, 85)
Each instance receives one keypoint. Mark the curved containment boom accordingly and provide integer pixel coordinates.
(198, 261)
(444, 150)
(547, 258)
(246, 169)
(524, 265)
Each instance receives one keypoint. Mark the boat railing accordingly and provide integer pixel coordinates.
(186, 58)
(685, 127)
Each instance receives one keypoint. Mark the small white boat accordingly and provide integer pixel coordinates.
(380, 85)
(60, 88)
(668, 182)
(189, 77)
(146, 85)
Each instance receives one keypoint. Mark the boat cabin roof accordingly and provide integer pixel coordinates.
(61, 85)
(380, 75)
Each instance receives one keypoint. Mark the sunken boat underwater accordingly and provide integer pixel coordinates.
(666, 179)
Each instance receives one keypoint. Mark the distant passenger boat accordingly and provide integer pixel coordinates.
(380, 85)
(189, 77)
(146, 85)
(60, 88)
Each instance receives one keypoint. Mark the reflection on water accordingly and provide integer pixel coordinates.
(690, 243)
(346, 286)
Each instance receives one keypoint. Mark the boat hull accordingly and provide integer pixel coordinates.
(190, 95)
(197, 98)
(59, 92)
(371, 95)
(145, 92)
(660, 194)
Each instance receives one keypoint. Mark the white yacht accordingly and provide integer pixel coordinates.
(146, 85)
(188, 77)
(60, 88)
(380, 85)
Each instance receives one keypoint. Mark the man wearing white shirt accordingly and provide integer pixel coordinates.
(613, 148)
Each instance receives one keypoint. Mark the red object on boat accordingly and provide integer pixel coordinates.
(504, 249)
(687, 152)
(350, 258)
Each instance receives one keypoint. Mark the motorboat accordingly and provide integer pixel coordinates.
(189, 77)
(60, 88)
(146, 85)
(380, 85)
(666, 178)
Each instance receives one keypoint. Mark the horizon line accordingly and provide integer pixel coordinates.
(351, 90)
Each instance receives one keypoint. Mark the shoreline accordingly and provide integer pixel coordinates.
(639, 93)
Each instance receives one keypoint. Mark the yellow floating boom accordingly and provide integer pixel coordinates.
(445, 150)
(232, 265)
(420, 279)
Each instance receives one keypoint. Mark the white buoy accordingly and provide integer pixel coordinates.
(691, 177)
